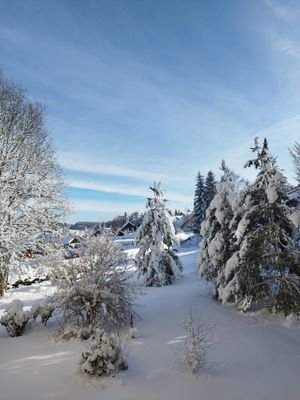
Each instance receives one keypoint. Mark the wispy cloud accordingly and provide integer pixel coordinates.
(126, 190)
(288, 47)
(283, 10)
(78, 162)
(127, 109)
(103, 208)
(286, 130)
(280, 136)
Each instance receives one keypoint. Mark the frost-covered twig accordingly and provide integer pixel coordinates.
(199, 339)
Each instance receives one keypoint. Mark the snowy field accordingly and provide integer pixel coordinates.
(257, 357)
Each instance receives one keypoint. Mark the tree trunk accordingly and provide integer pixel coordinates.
(4, 268)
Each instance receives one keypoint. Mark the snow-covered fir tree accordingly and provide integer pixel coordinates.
(156, 260)
(209, 188)
(265, 267)
(199, 203)
(216, 246)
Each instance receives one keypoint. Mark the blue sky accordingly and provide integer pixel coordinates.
(143, 90)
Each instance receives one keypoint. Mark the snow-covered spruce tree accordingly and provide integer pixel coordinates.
(199, 203)
(265, 268)
(31, 199)
(216, 244)
(155, 260)
(95, 290)
(209, 188)
(295, 154)
(226, 291)
(106, 355)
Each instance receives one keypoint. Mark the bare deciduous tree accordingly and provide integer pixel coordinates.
(31, 199)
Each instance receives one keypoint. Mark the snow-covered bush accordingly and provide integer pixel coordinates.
(44, 310)
(198, 340)
(156, 260)
(106, 355)
(15, 318)
(95, 290)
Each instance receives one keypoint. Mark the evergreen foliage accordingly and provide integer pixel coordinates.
(264, 267)
(216, 244)
(199, 203)
(156, 260)
(210, 188)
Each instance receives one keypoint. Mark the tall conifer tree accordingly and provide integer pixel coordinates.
(216, 246)
(209, 188)
(265, 268)
(199, 203)
(156, 260)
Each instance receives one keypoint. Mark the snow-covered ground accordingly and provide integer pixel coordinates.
(257, 357)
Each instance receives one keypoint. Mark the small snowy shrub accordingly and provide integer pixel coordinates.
(199, 339)
(105, 356)
(15, 318)
(95, 290)
(44, 310)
